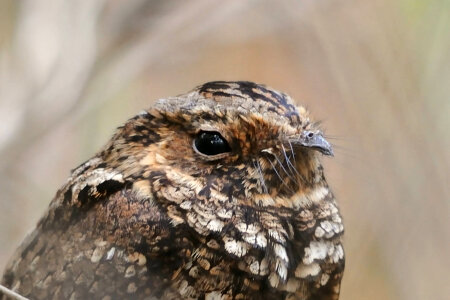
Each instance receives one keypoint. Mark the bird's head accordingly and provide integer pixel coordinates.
(242, 142)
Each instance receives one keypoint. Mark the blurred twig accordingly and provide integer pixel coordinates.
(11, 294)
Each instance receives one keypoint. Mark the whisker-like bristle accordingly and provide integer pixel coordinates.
(299, 176)
(293, 153)
(278, 174)
(290, 166)
(257, 166)
(282, 166)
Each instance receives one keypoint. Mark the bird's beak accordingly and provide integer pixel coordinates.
(316, 141)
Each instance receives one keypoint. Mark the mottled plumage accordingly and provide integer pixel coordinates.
(152, 216)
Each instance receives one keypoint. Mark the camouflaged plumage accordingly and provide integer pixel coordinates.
(149, 217)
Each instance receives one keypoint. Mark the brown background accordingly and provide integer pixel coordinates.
(376, 72)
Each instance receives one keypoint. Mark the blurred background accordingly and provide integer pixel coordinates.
(376, 72)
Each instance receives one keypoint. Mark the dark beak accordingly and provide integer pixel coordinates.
(316, 141)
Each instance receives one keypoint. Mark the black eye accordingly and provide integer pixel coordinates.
(211, 143)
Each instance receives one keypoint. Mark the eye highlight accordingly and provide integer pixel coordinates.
(211, 143)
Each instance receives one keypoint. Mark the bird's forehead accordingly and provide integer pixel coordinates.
(249, 95)
(238, 98)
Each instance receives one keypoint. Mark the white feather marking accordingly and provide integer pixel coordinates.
(316, 250)
(303, 271)
(261, 240)
(280, 251)
(234, 247)
(215, 225)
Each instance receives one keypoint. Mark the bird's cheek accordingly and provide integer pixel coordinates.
(152, 156)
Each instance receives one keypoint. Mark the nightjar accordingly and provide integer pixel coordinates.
(215, 194)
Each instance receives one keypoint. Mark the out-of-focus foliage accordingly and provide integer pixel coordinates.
(376, 72)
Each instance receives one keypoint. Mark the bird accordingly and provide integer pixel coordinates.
(218, 193)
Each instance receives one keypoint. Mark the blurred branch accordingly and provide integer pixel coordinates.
(9, 293)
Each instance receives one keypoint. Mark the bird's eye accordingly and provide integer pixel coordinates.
(211, 143)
